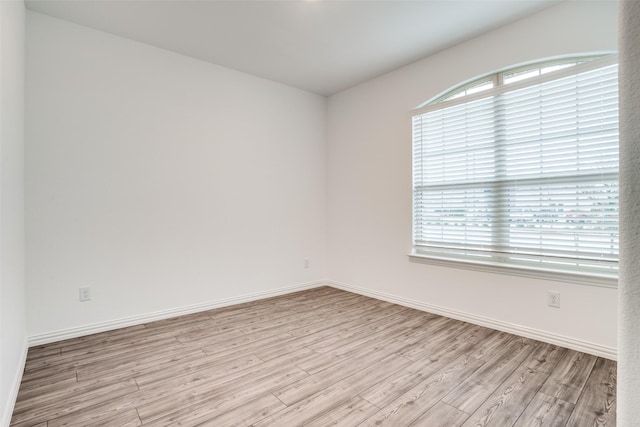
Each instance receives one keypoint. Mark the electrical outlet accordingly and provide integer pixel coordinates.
(85, 294)
(306, 263)
(553, 299)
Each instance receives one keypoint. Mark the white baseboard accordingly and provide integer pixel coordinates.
(524, 331)
(164, 314)
(540, 335)
(7, 411)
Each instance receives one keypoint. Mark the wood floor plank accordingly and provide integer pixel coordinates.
(130, 364)
(64, 393)
(245, 412)
(312, 315)
(411, 406)
(30, 424)
(306, 410)
(45, 375)
(55, 407)
(141, 366)
(434, 328)
(216, 333)
(384, 393)
(545, 357)
(545, 411)
(341, 342)
(475, 334)
(568, 379)
(281, 348)
(204, 369)
(126, 336)
(597, 405)
(42, 351)
(108, 353)
(475, 389)
(209, 381)
(96, 337)
(322, 380)
(340, 308)
(441, 415)
(348, 414)
(295, 319)
(432, 347)
(38, 385)
(249, 412)
(358, 320)
(217, 399)
(318, 357)
(244, 343)
(443, 336)
(126, 418)
(43, 363)
(493, 345)
(430, 359)
(509, 400)
(358, 346)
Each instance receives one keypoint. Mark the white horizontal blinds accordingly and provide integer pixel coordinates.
(561, 142)
(453, 167)
(526, 176)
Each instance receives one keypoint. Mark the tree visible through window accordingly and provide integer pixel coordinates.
(520, 168)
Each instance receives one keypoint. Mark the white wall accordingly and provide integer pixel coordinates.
(629, 331)
(369, 175)
(141, 166)
(12, 284)
(161, 181)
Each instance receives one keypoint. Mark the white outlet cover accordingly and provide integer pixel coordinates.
(554, 299)
(84, 294)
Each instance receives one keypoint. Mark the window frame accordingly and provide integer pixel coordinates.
(444, 100)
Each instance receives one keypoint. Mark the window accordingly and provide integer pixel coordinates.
(519, 170)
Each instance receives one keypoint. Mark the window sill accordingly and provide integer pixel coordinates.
(583, 279)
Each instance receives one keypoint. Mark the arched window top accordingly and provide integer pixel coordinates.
(509, 76)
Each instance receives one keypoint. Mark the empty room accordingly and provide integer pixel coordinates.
(319, 212)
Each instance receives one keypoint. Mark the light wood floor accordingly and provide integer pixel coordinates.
(313, 358)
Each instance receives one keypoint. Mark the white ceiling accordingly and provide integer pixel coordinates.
(321, 46)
